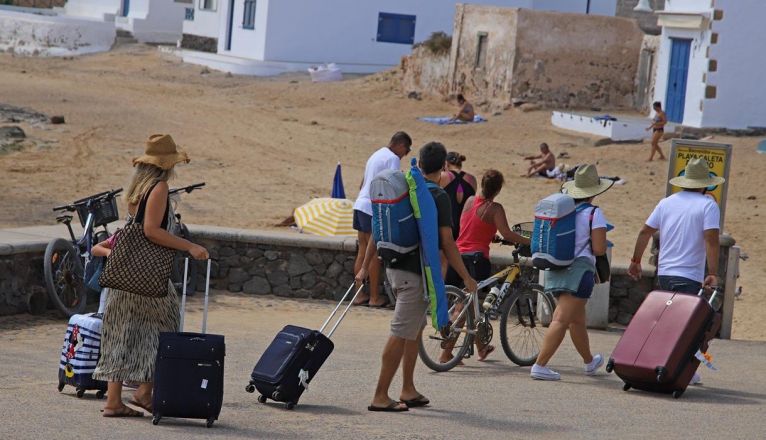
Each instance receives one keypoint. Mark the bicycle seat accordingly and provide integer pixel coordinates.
(64, 219)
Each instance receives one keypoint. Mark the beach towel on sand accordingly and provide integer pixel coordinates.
(446, 120)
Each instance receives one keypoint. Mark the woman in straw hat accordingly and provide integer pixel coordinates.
(574, 285)
(132, 323)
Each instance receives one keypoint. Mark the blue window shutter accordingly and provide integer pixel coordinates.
(396, 28)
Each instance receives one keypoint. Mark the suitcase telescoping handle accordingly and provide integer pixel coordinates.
(343, 315)
(183, 297)
(715, 300)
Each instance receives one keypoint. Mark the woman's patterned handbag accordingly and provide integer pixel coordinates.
(136, 264)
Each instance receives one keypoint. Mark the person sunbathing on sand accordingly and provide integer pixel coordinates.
(465, 112)
(541, 163)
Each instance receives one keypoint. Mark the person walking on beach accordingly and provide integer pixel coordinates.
(658, 130)
(465, 110)
(541, 163)
(132, 323)
(411, 305)
(574, 285)
(458, 185)
(388, 157)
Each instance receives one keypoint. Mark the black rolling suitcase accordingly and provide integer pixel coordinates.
(293, 358)
(188, 377)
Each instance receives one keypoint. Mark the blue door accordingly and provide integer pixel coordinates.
(125, 8)
(675, 98)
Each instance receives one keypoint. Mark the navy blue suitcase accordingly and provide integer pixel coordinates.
(188, 376)
(293, 358)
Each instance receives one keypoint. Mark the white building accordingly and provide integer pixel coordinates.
(710, 66)
(150, 21)
(264, 37)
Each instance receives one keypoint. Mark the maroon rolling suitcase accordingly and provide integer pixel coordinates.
(657, 351)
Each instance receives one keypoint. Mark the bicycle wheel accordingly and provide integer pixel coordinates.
(63, 272)
(177, 275)
(430, 343)
(523, 322)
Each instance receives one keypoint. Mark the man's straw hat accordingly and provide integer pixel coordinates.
(161, 151)
(586, 183)
(696, 176)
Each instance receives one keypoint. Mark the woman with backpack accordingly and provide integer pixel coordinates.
(459, 186)
(574, 284)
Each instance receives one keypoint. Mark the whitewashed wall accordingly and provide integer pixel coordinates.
(93, 8)
(46, 35)
(154, 21)
(739, 80)
(206, 22)
(345, 31)
(251, 43)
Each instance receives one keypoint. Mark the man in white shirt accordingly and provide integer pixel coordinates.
(689, 225)
(388, 157)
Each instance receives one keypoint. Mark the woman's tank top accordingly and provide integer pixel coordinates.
(458, 185)
(475, 233)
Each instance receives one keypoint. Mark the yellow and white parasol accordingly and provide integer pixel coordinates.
(326, 217)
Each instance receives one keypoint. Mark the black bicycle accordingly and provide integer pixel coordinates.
(65, 260)
(180, 230)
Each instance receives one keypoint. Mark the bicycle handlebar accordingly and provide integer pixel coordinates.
(187, 189)
(101, 195)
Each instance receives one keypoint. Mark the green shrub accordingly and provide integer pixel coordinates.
(438, 43)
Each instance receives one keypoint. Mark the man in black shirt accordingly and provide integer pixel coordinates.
(411, 303)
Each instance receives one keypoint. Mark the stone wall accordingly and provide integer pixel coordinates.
(284, 264)
(200, 43)
(21, 278)
(424, 72)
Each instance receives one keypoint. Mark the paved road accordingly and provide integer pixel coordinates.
(491, 400)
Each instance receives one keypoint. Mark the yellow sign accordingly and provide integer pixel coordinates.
(718, 158)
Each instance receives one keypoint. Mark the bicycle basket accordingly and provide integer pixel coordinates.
(525, 230)
(104, 212)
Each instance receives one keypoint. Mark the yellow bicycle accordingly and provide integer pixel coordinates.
(524, 309)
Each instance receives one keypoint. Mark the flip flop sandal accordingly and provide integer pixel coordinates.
(487, 352)
(122, 412)
(394, 406)
(146, 408)
(417, 402)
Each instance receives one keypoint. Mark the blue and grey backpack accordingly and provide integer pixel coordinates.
(394, 227)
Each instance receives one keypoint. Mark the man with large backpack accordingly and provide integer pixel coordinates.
(404, 274)
(385, 158)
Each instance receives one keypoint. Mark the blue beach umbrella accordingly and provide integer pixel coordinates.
(337, 185)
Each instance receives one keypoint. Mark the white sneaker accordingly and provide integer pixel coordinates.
(543, 373)
(592, 368)
(696, 379)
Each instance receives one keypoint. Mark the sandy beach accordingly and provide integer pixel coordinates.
(267, 145)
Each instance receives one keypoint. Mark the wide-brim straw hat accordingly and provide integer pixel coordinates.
(696, 175)
(161, 151)
(586, 183)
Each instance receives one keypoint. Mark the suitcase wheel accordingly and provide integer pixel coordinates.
(290, 405)
(156, 420)
(626, 387)
(261, 399)
(250, 388)
(61, 386)
(610, 365)
(209, 422)
(80, 392)
(677, 394)
(100, 394)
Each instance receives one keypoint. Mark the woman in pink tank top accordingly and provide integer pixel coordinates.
(481, 219)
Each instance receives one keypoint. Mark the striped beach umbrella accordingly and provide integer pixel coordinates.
(326, 217)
